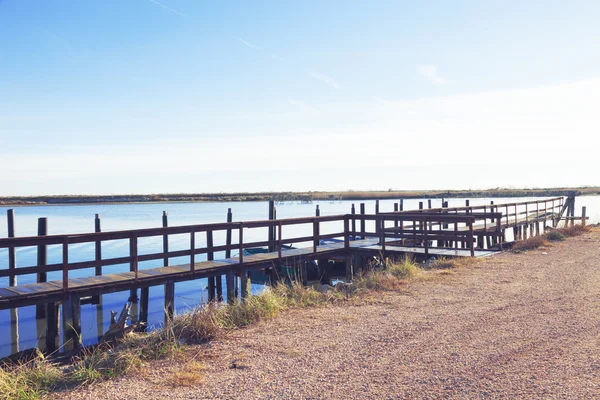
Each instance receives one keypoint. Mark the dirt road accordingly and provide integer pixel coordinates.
(511, 326)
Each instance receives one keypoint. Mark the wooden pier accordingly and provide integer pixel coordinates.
(474, 231)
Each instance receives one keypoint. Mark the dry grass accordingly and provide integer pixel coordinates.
(530, 243)
(192, 374)
(554, 235)
(574, 230)
(198, 325)
(30, 380)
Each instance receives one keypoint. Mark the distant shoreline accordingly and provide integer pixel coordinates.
(289, 196)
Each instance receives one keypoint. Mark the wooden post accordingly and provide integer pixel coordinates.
(98, 245)
(353, 212)
(396, 210)
(472, 247)
(65, 265)
(192, 251)
(346, 233)
(97, 255)
(583, 215)
(362, 221)
(572, 211)
(42, 250)
(402, 222)
(317, 211)
(420, 223)
(12, 251)
(271, 233)
(315, 235)
(210, 257)
(165, 224)
(219, 278)
(42, 261)
(377, 225)
(169, 301)
(133, 265)
(144, 299)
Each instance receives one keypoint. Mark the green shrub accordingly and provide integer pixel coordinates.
(555, 236)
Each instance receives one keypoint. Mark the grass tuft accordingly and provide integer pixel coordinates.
(393, 277)
(575, 230)
(555, 236)
(530, 243)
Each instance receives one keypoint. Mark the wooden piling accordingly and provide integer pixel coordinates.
(72, 321)
(396, 210)
(144, 300)
(169, 301)
(52, 327)
(229, 280)
(583, 215)
(12, 251)
(14, 330)
(244, 283)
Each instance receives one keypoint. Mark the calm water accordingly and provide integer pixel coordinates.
(80, 219)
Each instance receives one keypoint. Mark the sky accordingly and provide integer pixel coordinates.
(186, 96)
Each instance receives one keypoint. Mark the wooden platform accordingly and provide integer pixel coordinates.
(29, 294)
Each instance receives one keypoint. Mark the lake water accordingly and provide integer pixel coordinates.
(63, 219)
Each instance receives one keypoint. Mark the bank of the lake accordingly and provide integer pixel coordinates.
(296, 196)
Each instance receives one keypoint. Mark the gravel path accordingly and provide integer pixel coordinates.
(512, 326)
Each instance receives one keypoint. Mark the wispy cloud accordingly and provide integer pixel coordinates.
(380, 100)
(329, 81)
(168, 8)
(430, 73)
(246, 43)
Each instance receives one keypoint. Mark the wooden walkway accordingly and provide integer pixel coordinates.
(30, 294)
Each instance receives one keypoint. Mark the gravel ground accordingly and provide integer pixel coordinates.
(511, 326)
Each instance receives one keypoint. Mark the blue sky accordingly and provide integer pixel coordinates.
(144, 96)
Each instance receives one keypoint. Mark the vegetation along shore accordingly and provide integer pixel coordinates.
(294, 196)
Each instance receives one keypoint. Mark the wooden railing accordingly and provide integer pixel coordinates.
(420, 226)
(512, 212)
(134, 258)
